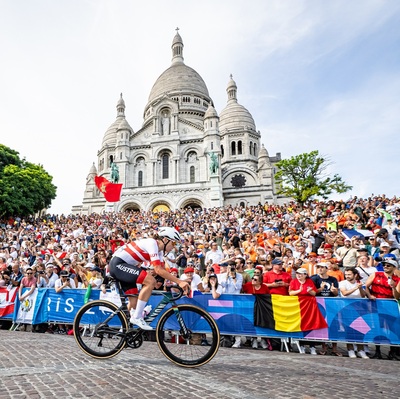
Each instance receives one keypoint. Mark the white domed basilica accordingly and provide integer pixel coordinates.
(185, 154)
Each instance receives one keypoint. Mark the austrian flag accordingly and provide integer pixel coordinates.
(111, 191)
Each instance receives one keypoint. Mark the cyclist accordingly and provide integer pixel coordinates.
(126, 267)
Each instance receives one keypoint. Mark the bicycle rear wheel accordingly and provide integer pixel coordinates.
(100, 329)
(195, 346)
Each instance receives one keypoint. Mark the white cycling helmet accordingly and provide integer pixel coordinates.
(170, 233)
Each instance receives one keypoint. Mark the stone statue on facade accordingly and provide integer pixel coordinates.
(213, 163)
(114, 173)
(165, 125)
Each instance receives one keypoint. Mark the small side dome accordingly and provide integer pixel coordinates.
(124, 125)
(93, 170)
(234, 116)
(263, 152)
(211, 112)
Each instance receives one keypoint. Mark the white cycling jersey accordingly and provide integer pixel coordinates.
(141, 252)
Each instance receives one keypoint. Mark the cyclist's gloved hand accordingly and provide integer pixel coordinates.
(185, 286)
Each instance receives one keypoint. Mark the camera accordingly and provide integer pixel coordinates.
(41, 272)
(233, 269)
(68, 278)
(379, 258)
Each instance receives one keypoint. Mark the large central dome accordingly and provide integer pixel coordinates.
(179, 78)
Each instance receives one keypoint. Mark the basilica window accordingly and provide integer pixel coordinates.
(192, 174)
(165, 166)
(251, 148)
(212, 145)
(239, 148)
(120, 155)
(255, 149)
(140, 179)
(233, 148)
(222, 151)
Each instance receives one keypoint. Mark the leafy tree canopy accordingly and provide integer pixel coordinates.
(304, 176)
(26, 188)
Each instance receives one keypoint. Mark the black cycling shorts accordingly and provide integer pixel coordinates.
(128, 275)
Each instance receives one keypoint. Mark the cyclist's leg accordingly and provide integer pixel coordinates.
(148, 285)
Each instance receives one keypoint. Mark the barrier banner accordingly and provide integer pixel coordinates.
(348, 320)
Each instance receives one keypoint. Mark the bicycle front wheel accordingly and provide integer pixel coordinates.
(100, 329)
(187, 335)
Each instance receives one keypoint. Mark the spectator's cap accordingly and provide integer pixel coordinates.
(327, 246)
(347, 239)
(389, 261)
(312, 255)
(200, 246)
(89, 265)
(259, 267)
(384, 244)
(173, 269)
(49, 266)
(95, 269)
(389, 256)
(213, 275)
(324, 264)
(189, 270)
(190, 263)
(301, 270)
(276, 262)
(64, 273)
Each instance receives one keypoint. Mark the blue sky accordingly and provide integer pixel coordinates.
(319, 75)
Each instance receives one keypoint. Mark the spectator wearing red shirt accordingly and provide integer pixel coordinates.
(277, 280)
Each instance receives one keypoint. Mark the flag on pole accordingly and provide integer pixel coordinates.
(111, 191)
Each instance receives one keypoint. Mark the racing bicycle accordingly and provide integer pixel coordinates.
(186, 334)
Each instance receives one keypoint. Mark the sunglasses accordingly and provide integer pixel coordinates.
(255, 279)
(29, 273)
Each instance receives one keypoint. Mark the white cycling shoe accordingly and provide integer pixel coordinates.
(140, 323)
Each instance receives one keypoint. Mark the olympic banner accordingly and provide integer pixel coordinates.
(347, 320)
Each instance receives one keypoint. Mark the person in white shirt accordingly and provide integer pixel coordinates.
(64, 282)
(352, 287)
(215, 255)
(194, 279)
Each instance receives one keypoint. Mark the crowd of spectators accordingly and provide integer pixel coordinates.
(323, 248)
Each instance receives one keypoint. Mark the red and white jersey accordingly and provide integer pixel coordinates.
(138, 252)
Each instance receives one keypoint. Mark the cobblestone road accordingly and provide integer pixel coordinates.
(44, 366)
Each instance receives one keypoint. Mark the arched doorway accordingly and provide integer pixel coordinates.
(161, 208)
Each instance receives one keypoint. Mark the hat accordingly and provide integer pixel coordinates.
(390, 262)
(259, 267)
(64, 273)
(95, 269)
(189, 270)
(384, 244)
(302, 270)
(276, 262)
(312, 254)
(327, 246)
(213, 275)
(324, 264)
(173, 269)
(90, 265)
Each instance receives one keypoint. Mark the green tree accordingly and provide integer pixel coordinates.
(26, 188)
(304, 176)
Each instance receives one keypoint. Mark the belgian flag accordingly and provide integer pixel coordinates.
(288, 313)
